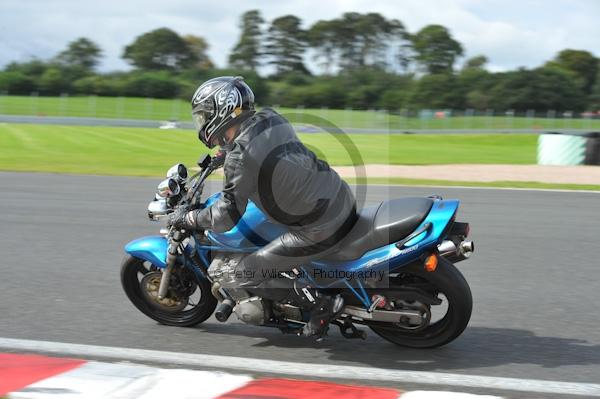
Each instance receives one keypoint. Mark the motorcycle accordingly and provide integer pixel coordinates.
(177, 278)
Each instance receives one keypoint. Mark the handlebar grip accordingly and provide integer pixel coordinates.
(219, 159)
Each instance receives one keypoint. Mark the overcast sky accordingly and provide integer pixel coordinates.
(510, 33)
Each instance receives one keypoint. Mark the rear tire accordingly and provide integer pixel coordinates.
(449, 281)
(133, 269)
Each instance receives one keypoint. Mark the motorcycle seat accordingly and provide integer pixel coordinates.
(379, 225)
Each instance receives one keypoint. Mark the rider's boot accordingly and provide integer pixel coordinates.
(324, 310)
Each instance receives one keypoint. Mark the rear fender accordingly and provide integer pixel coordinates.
(150, 248)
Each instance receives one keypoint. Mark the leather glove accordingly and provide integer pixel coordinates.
(181, 218)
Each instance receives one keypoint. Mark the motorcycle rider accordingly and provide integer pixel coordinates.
(267, 163)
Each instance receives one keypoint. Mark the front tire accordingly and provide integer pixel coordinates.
(133, 271)
(450, 282)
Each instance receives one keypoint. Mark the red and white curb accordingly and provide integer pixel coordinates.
(41, 377)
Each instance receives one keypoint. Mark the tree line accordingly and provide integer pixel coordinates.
(362, 61)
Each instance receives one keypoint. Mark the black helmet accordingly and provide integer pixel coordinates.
(217, 104)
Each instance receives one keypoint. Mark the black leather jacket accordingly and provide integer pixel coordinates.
(269, 165)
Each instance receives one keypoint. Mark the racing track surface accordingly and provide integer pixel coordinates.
(534, 277)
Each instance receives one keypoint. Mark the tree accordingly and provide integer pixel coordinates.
(286, 43)
(81, 53)
(406, 52)
(435, 49)
(594, 99)
(437, 91)
(160, 49)
(475, 83)
(323, 38)
(52, 82)
(33, 69)
(151, 84)
(582, 64)
(357, 40)
(15, 82)
(246, 53)
(538, 89)
(374, 34)
(477, 62)
(100, 85)
(198, 46)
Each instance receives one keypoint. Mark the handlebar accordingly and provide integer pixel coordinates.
(198, 179)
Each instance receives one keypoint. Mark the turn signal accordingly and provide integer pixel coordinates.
(431, 263)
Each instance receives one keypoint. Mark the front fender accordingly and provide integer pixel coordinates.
(150, 248)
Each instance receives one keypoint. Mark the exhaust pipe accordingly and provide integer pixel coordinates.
(446, 248)
(466, 248)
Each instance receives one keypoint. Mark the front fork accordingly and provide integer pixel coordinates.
(174, 243)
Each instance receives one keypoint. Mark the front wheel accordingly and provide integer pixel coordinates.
(188, 302)
(446, 282)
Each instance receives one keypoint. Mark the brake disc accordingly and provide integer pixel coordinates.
(171, 303)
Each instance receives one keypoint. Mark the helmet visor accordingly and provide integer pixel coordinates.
(200, 118)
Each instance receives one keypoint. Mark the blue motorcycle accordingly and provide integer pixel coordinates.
(395, 269)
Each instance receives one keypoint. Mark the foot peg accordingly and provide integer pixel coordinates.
(224, 310)
(348, 325)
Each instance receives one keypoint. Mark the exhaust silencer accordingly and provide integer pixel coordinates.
(447, 247)
(450, 251)
(466, 248)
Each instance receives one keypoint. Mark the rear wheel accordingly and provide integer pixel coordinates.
(445, 321)
(188, 302)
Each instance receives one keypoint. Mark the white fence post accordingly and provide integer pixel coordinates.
(587, 116)
(148, 108)
(119, 105)
(300, 113)
(530, 115)
(468, 118)
(403, 118)
(3, 98)
(347, 118)
(64, 104)
(567, 117)
(175, 104)
(551, 115)
(33, 102)
(489, 115)
(92, 106)
(510, 119)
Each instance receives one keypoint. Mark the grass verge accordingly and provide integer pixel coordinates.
(149, 152)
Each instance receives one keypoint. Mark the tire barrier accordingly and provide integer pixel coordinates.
(592, 149)
(556, 148)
